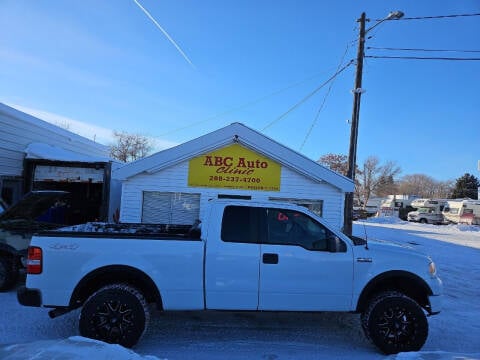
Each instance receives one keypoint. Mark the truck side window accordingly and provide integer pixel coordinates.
(286, 227)
(240, 224)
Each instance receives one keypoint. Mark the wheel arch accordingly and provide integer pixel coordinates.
(111, 274)
(405, 282)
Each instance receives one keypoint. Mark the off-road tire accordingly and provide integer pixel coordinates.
(116, 314)
(395, 323)
(8, 272)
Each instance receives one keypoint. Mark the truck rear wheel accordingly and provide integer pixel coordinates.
(116, 314)
(8, 272)
(395, 323)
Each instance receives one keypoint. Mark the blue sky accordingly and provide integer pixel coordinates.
(104, 65)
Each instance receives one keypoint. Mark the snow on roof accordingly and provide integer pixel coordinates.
(50, 152)
(245, 136)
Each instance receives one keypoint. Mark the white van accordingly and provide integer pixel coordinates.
(465, 211)
(429, 211)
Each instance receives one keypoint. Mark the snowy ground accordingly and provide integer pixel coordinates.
(28, 333)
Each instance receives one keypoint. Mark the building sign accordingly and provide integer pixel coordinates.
(68, 174)
(234, 167)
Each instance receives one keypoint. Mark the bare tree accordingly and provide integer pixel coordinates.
(374, 177)
(339, 164)
(425, 186)
(335, 162)
(417, 184)
(444, 189)
(130, 147)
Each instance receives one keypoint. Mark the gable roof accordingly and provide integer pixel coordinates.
(243, 135)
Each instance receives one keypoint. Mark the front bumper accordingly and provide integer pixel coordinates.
(29, 297)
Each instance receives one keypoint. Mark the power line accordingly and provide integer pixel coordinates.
(421, 58)
(433, 17)
(242, 106)
(430, 50)
(308, 96)
(314, 122)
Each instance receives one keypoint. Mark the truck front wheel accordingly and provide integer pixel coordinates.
(116, 314)
(395, 323)
(8, 272)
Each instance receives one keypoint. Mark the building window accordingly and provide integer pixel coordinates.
(315, 206)
(170, 208)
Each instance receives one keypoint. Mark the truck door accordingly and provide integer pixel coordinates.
(298, 268)
(233, 259)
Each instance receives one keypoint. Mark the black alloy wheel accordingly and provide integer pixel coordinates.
(116, 314)
(395, 323)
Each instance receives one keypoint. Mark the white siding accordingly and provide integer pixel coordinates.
(18, 130)
(174, 179)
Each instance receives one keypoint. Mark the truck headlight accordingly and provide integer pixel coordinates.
(432, 269)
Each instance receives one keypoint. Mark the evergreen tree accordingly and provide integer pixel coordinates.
(466, 187)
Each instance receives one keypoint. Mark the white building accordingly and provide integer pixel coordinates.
(172, 186)
(37, 155)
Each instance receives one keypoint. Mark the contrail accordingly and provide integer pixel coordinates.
(164, 32)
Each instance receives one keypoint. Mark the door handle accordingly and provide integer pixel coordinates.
(270, 258)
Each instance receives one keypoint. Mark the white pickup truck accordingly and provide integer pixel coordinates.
(248, 256)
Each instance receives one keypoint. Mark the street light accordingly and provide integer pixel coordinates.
(357, 94)
(393, 15)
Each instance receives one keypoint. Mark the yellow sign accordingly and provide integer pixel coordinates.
(234, 167)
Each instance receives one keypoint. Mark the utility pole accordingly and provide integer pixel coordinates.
(352, 154)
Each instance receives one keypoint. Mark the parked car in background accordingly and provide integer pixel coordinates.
(428, 211)
(36, 211)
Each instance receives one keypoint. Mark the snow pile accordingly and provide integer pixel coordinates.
(51, 152)
(463, 227)
(383, 220)
(434, 355)
(73, 348)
